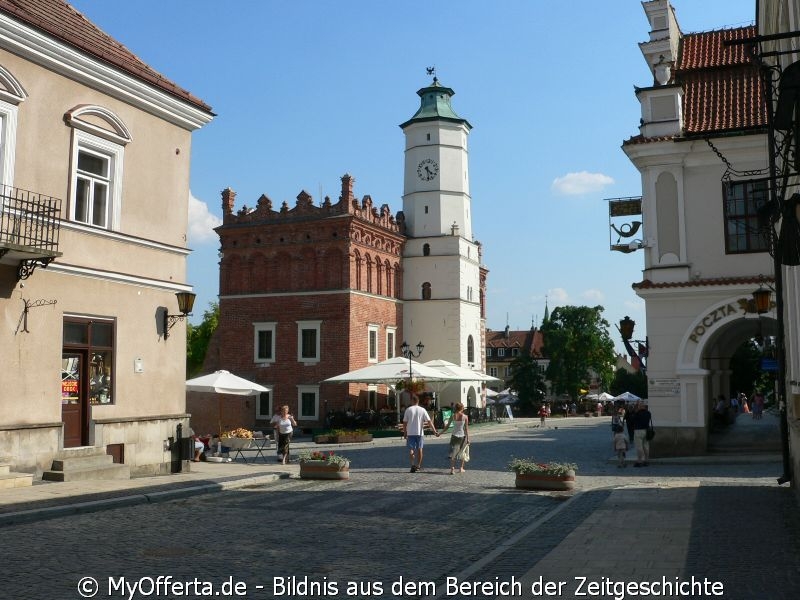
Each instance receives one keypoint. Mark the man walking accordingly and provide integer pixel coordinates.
(414, 421)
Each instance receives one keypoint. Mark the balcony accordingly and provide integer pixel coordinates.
(29, 227)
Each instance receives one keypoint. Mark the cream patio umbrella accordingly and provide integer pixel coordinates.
(224, 382)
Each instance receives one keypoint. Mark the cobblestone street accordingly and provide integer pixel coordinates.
(728, 522)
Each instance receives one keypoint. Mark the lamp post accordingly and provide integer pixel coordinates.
(185, 305)
(625, 329)
(409, 354)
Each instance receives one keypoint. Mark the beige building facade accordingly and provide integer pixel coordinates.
(95, 171)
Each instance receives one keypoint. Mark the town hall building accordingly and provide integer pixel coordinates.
(317, 290)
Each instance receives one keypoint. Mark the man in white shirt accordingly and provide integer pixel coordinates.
(414, 421)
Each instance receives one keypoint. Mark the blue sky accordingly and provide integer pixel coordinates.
(306, 91)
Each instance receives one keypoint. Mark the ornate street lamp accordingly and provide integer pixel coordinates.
(185, 305)
(409, 354)
(625, 329)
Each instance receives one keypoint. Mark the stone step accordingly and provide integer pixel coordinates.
(111, 471)
(10, 479)
(4, 468)
(77, 463)
(85, 463)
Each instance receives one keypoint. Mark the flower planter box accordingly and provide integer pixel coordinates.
(538, 481)
(342, 439)
(320, 469)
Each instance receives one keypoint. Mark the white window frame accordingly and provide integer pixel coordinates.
(265, 417)
(93, 144)
(372, 335)
(8, 142)
(493, 371)
(391, 342)
(501, 352)
(372, 397)
(302, 325)
(257, 329)
(307, 389)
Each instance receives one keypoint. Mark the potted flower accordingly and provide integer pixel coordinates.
(534, 475)
(237, 439)
(344, 436)
(324, 465)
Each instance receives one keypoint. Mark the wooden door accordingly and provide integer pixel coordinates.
(74, 399)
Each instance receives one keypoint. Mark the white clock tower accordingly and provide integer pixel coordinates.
(441, 262)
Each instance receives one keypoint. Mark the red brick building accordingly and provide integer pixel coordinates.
(305, 293)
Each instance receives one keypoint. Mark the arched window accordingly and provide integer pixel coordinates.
(426, 250)
(470, 350)
(426, 291)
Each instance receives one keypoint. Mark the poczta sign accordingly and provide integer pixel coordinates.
(714, 316)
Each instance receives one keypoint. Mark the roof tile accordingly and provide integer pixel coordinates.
(59, 20)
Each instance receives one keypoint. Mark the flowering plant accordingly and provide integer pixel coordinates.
(522, 466)
(417, 386)
(330, 458)
(240, 432)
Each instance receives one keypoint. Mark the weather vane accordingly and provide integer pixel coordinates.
(431, 70)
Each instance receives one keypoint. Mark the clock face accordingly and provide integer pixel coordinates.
(427, 169)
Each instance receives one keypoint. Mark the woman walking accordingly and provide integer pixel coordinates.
(284, 425)
(459, 439)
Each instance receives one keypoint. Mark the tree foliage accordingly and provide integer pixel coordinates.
(527, 381)
(746, 373)
(577, 343)
(198, 338)
(624, 381)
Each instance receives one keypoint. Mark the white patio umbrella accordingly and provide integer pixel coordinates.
(391, 371)
(462, 373)
(627, 397)
(224, 382)
(490, 393)
(605, 396)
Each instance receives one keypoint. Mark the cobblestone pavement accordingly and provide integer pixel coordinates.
(388, 533)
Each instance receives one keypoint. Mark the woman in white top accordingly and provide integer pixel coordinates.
(284, 425)
(460, 436)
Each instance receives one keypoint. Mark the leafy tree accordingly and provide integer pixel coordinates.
(746, 373)
(576, 341)
(527, 381)
(198, 338)
(624, 381)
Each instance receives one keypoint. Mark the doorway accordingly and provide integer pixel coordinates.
(74, 399)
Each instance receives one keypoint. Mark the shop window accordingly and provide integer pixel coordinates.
(93, 339)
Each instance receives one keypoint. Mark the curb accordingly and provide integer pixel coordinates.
(89, 506)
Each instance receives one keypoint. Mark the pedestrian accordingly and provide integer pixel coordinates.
(735, 405)
(620, 446)
(460, 436)
(616, 421)
(743, 403)
(628, 420)
(414, 421)
(757, 405)
(642, 421)
(542, 416)
(284, 426)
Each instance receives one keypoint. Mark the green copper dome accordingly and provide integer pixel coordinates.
(435, 106)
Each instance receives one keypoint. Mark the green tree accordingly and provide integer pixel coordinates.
(527, 381)
(576, 341)
(624, 381)
(746, 373)
(198, 338)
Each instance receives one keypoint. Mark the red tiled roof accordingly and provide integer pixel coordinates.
(530, 340)
(59, 20)
(753, 280)
(723, 90)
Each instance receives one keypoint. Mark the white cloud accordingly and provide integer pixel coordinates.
(578, 184)
(557, 297)
(201, 221)
(593, 297)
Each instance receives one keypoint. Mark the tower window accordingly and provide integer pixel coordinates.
(426, 291)
(426, 250)
(426, 210)
(429, 137)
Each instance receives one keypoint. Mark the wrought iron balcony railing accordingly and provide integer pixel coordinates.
(29, 228)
